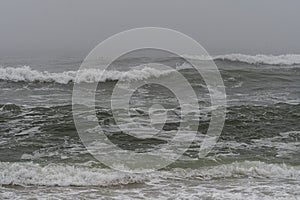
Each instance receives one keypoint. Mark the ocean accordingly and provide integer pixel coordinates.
(257, 155)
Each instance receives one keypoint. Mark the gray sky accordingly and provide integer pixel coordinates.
(70, 27)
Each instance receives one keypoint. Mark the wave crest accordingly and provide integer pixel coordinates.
(288, 59)
(63, 175)
(87, 174)
(26, 74)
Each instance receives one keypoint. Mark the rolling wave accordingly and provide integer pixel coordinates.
(86, 174)
(26, 74)
(288, 59)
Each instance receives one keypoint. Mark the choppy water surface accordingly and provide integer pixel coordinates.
(256, 157)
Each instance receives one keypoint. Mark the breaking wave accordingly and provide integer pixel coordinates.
(86, 174)
(26, 74)
(288, 59)
(62, 175)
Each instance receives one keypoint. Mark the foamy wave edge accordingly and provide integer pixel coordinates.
(26, 74)
(288, 59)
(28, 173)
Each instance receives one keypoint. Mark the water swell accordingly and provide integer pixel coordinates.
(26, 74)
(282, 60)
(87, 174)
(62, 175)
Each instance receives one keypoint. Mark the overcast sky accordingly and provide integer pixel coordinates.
(71, 27)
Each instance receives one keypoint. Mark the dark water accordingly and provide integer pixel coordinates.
(256, 156)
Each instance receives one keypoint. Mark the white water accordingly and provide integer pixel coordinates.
(238, 180)
(28, 173)
(288, 59)
(27, 74)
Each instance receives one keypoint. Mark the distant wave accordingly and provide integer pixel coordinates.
(288, 59)
(86, 174)
(26, 74)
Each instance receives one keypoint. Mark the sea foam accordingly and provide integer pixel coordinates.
(26, 74)
(86, 174)
(288, 59)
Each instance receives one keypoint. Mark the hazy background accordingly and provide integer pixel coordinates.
(74, 27)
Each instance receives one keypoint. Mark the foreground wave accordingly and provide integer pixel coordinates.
(86, 174)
